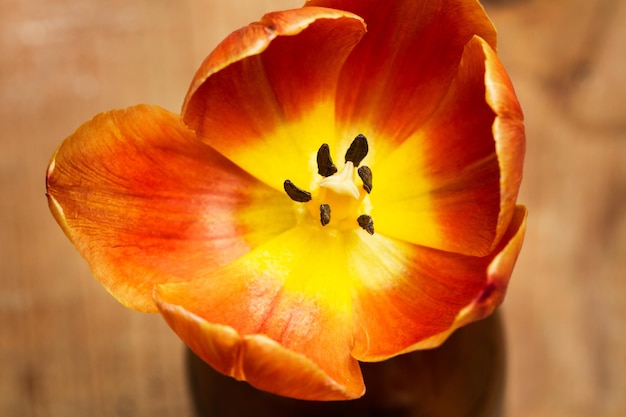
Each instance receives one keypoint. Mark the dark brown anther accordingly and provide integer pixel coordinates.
(324, 214)
(325, 166)
(366, 176)
(357, 150)
(366, 223)
(295, 193)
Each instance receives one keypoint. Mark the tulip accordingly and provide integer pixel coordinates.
(340, 186)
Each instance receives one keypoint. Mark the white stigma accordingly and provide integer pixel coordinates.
(342, 183)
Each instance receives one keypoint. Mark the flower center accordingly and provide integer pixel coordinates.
(338, 199)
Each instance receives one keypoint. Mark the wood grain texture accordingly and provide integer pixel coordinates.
(68, 349)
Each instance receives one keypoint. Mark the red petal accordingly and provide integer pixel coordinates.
(145, 202)
(437, 293)
(265, 96)
(465, 165)
(401, 69)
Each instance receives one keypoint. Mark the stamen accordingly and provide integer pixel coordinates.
(357, 150)
(324, 214)
(295, 193)
(366, 176)
(366, 223)
(325, 166)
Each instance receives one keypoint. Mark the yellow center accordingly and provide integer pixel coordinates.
(338, 199)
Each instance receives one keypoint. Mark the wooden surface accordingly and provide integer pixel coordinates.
(68, 349)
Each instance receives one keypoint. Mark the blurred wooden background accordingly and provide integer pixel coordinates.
(68, 349)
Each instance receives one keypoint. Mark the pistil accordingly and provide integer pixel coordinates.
(342, 183)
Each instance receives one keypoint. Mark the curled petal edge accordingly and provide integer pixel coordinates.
(255, 38)
(509, 133)
(256, 358)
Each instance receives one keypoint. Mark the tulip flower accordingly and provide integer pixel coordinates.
(340, 186)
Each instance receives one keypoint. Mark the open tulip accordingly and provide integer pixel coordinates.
(341, 186)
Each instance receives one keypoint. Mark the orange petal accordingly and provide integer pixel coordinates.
(465, 165)
(265, 96)
(144, 202)
(428, 294)
(401, 69)
(279, 317)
